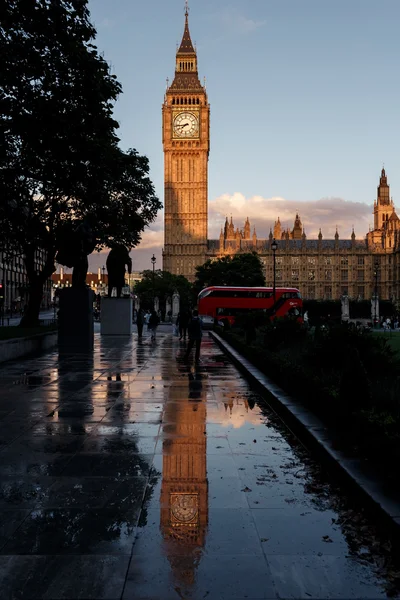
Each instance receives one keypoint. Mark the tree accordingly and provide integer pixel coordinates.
(165, 285)
(60, 161)
(240, 270)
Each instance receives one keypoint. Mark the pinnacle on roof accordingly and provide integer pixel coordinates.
(186, 46)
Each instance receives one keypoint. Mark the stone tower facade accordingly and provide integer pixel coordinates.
(186, 143)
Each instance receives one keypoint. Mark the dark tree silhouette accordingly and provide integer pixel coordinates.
(60, 162)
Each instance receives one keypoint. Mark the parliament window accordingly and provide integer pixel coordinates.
(360, 292)
(360, 275)
(328, 293)
(311, 275)
(311, 292)
(328, 260)
(328, 274)
(360, 260)
(295, 275)
(344, 275)
(295, 260)
(311, 260)
(344, 261)
(278, 274)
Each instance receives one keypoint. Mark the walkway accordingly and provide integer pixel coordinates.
(131, 475)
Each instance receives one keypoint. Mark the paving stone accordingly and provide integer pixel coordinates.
(129, 474)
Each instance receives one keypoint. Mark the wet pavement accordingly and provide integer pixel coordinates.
(129, 475)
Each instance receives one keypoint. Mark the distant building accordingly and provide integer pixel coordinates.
(321, 268)
(98, 282)
(326, 268)
(15, 282)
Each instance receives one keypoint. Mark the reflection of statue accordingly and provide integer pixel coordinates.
(74, 247)
(116, 261)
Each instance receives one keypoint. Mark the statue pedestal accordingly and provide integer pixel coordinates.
(75, 320)
(116, 316)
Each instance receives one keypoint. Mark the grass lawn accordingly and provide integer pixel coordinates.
(8, 333)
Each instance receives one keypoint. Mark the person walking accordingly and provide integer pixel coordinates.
(195, 331)
(140, 322)
(153, 324)
(182, 322)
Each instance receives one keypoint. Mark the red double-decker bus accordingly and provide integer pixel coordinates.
(225, 303)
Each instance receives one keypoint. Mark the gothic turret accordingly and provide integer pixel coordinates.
(247, 230)
(226, 228)
(221, 239)
(383, 207)
(277, 230)
(297, 229)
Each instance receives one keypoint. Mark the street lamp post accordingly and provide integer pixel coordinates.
(153, 262)
(376, 274)
(104, 280)
(274, 247)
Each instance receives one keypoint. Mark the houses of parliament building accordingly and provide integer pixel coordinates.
(321, 268)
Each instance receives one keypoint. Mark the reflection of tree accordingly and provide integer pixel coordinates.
(89, 529)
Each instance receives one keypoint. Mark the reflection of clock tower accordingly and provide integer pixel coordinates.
(186, 118)
(184, 488)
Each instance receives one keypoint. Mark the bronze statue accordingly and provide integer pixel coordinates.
(74, 247)
(116, 261)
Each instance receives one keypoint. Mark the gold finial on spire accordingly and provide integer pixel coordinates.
(186, 8)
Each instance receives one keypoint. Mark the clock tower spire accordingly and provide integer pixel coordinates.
(186, 115)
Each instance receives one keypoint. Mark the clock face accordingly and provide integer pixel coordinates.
(184, 508)
(186, 125)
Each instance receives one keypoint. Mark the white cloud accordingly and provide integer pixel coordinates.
(326, 213)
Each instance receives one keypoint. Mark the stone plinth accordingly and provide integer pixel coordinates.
(345, 307)
(75, 320)
(116, 316)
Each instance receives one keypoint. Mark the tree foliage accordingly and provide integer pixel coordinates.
(59, 156)
(165, 284)
(240, 270)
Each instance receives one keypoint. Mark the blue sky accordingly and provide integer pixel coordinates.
(304, 96)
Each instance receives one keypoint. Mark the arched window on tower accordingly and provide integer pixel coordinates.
(198, 101)
(173, 100)
(190, 101)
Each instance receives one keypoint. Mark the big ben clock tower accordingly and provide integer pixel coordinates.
(186, 143)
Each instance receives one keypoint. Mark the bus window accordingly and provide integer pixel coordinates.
(204, 293)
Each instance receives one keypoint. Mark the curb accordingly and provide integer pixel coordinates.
(310, 429)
